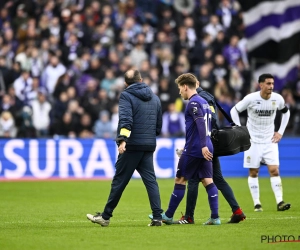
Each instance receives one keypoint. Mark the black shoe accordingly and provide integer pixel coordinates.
(282, 206)
(258, 208)
(184, 220)
(236, 218)
(156, 223)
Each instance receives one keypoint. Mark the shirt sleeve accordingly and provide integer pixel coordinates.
(243, 104)
(235, 116)
(125, 112)
(197, 113)
(281, 103)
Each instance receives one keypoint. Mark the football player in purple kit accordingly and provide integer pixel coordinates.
(196, 158)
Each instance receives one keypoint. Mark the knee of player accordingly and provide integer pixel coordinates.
(253, 172)
(206, 181)
(180, 180)
(274, 172)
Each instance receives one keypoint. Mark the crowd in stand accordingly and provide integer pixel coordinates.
(62, 62)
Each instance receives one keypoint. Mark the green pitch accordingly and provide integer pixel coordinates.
(52, 215)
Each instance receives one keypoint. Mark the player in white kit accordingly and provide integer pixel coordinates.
(261, 108)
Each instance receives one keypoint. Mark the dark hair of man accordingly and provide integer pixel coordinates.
(263, 77)
(132, 76)
(188, 79)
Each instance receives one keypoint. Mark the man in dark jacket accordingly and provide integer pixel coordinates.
(218, 178)
(140, 121)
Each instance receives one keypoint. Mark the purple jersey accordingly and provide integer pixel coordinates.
(198, 127)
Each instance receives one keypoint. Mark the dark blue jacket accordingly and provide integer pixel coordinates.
(140, 112)
(212, 103)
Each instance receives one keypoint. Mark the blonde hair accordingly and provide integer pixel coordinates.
(188, 79)
(6, 115)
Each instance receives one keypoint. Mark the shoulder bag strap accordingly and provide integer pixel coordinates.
(225, 114)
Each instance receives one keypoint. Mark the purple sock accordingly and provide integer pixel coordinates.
(213, 200)
(175, 200)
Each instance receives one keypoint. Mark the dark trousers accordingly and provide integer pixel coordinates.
(221, 184)
(142, 161)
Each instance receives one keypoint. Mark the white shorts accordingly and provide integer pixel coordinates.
(267, 153)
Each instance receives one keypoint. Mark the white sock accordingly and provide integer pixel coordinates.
(254, 189)
(277, 188)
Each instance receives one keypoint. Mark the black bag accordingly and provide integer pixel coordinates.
(230, 140)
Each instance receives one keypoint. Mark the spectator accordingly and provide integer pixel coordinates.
(7, 125)
(41, 114)
(51, 73)
(4, 17)
(26, 128)
(226, 13)
(65, 127)
(232, 52)
(62, 84)
(95, 69)
(184, 8)
(23, 86)
(138, 54)
(65, 44)
(165, 95)
(205, 77)
(202, 17)
(85, 127)
(190, 30)
(236, 81)
(59, 107)
(103, 126)
(8, 104)
(71, 50)
(33, 92)
(44, 27)
(24, 58)
(219, 43)
(165, 62)
(173, 122)
(36, 63)
(76, 111)
(220, 70)
(213, 27)
(108, 82)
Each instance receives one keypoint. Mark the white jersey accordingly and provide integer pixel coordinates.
(261, 115)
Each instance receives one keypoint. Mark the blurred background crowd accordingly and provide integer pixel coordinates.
(62, 62)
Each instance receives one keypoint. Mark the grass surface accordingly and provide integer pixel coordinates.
(52, 215)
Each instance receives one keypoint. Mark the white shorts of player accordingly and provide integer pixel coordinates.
(261, 152)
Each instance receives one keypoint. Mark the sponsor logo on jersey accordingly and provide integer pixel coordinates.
(205, 106)
(248, 159)
(264, 112)
(195, 110)
(193, 103)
